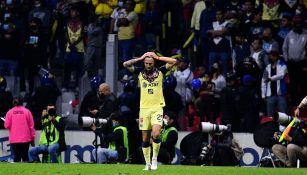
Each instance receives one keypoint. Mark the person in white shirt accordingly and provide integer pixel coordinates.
(184, 77)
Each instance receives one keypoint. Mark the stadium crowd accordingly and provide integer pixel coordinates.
(237, 60)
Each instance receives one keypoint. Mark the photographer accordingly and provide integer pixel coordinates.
(52, 138)
(90, 100)
(225, 149)
(105, 105)
(296, 148)
(118, 149)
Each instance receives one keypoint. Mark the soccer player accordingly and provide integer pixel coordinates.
(151, 102)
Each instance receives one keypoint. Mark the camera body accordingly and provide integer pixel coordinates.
(87, 121)
(206, 154)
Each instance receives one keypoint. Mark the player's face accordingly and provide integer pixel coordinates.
(149, 63)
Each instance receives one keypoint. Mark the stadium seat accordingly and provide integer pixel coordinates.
(68, 97)
(67, 109)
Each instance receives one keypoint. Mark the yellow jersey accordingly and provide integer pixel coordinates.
(151, 90)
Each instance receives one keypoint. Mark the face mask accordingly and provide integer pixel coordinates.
(101, 96)
(165, 122)
(208, 3)
(266, 38)
(298, 30)
(281, 128)
(37, 5)
(120, 4)
(114, 124)
(298, 12)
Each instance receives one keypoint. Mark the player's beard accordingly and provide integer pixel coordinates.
(150, 75)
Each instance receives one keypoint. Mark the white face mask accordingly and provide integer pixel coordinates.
(165, 122)
(120, 4)
(298, 12)
(281, 128)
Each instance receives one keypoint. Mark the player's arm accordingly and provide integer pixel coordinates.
(170, 62)
(129, 64)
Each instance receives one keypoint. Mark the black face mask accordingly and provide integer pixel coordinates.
(208, 3)
(214, 70)
(101, 96)
(266, 38)
(33, 27)
(298, 30)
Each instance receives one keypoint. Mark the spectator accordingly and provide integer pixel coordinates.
(270, 10)
(218, 79)
(205, 103)
(118, 12)
(219, 45)
(258, 54)
(284, 29)
(173, 101)
(104, 9)
(52, 138)
(153, 24)
(195, 20)
(248, 7)
(294, 52)
(273, 87)
(46, 93)
(93, 59)
(269, 43)
(57, 38)
(118, 149)
(184, 77)
(39, 11)
(249, 104)
(74, 50)
(6, 99)
(19, 122)
(255, 27)
(240, 50)
(126, 32)
(230, 102)
(207, 17)
(10, 45)
(34, 54)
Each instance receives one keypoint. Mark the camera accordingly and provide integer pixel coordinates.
(205, 152)
(208, 127)
(87, 121)
(285, 119)
(51, 112)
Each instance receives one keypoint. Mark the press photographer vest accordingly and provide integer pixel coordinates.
(164, 134)
(112, 145)
(54, 134)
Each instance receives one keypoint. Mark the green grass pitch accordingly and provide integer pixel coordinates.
(129, 169)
